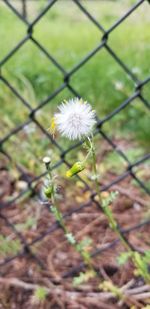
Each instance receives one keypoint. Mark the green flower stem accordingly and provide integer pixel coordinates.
(95, 172)
(110, 218)
(86, 257)
(109, 215)
(54, 203)
(112, 221)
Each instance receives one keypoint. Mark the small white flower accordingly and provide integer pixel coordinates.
(75, 119)
(46, 160)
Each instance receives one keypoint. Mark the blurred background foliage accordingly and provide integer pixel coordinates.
(68, 35)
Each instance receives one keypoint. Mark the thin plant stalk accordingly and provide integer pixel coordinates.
(111, 220)
(109, 215)
(86, 258)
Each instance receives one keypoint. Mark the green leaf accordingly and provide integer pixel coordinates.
(40, 293)
(123, 258)
(70, 238)
(8, 246)
(83, 277)
(83, 244)
(107, 201)
(79, 279)
(146, 256)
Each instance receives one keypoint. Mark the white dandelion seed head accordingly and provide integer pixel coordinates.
(75, 119)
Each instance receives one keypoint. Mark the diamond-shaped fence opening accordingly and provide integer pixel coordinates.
(122, 161)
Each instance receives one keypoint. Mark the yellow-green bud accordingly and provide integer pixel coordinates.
(48, 192)
(75, 169)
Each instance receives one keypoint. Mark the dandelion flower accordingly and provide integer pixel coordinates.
(75, 119)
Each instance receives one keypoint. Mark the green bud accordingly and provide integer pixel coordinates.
(75, 169)
(48, 192)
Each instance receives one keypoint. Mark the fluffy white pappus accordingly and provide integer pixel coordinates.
(75, 119)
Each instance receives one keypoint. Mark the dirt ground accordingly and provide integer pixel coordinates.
(49, 261)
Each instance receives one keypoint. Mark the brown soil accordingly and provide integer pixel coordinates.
(50, 260)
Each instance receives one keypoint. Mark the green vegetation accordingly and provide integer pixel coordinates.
(40, 293)
(68, 35)
(9, 246)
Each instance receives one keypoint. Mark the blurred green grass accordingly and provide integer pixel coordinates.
(68, 35)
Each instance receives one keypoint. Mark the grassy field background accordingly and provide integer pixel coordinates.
(68, 35)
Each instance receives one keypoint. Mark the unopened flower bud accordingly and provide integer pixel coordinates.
(75, 169)
(48, 192)
(47, 162)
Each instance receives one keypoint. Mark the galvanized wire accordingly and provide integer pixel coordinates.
(66, 76)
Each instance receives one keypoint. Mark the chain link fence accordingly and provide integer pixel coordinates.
(32, 112)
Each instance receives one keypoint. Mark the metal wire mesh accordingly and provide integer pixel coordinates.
(32, 112)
